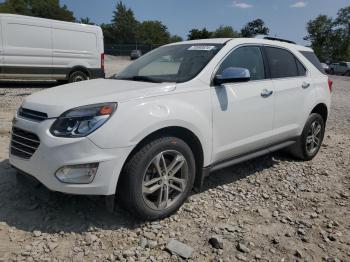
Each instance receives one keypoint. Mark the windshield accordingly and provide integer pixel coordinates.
(174, 63)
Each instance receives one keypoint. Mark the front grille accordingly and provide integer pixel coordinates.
(32, 115)
(23, 143)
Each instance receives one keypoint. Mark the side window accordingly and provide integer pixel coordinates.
(249, 57)
(282, 63)
(301, 68)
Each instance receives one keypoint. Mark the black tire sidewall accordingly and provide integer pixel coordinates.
(76, 74)
(312, 118)
(143, 159)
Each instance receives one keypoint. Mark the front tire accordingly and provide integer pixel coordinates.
(158, 178)
(310, 141)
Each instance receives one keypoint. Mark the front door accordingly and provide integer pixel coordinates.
(242, 112)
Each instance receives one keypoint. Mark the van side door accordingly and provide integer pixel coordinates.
(27, 48)
(74, 46)
(291, 84)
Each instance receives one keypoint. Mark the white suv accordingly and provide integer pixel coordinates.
(150, 134)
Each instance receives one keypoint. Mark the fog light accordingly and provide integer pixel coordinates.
(77, 174)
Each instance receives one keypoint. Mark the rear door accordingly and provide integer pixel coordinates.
(291, 82)
(27, 51)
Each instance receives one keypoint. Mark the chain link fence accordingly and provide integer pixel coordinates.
(125, 49)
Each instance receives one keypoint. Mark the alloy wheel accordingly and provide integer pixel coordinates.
(313, 139)
(165, 180)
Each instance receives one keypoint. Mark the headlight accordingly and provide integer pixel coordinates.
(82, 121)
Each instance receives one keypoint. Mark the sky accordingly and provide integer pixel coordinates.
(285, 18)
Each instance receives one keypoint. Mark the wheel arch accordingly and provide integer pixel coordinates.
(322, 110)
(176, 131)
(78, 68)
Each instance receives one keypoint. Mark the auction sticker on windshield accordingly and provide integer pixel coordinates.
(201, 48)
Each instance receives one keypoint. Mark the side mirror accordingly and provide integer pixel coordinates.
(232, 74)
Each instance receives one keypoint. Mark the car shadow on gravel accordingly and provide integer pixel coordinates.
(33, 207)
(243, 170)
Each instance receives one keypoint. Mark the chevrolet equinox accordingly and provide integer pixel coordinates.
(150, 134)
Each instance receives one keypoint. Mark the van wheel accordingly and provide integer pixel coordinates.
(77, 76)
(310, 141)
(158, 178)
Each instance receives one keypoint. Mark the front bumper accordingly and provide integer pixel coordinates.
(54, 152)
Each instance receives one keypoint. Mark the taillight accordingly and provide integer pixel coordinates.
(330, 84)
(103, 62)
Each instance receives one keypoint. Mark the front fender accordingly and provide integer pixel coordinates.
(134, 120)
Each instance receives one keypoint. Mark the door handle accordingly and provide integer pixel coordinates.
(266, 93)
(305, 85)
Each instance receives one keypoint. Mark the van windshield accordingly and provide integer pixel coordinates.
(174, 63)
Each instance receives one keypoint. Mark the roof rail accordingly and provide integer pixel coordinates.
(279, 39)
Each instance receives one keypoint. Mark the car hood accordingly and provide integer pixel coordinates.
(57, 100)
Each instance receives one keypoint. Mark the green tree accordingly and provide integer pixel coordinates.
(199, 34)
(86, 20)
(255, 27)
(342, 24)
(124, 24)
(320, 34)
(21, 7)
(40, 8)
(51, 9)
(330, 38)
(225, 32)
(175, 38)
(153, 32)
(108, 33)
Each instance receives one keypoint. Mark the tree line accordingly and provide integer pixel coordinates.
(330, 38)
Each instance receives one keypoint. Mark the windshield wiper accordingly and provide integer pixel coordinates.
(140, 78)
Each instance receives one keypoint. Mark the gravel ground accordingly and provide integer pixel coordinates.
(269, 209)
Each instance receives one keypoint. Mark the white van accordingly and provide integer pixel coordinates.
(37, 48)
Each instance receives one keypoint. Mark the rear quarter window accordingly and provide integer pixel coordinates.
(282, 63)
(314, 60)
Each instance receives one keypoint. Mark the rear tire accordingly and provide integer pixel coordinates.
(310, 141)
(78, 76)
(158, 178)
